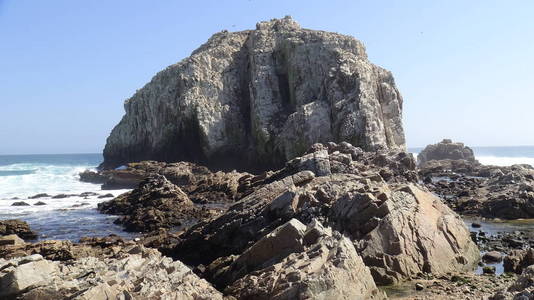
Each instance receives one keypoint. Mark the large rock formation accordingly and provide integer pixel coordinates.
(399, 229)
(253, 99)
(444, 150)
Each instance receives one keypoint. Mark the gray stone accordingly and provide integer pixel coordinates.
(255, 98)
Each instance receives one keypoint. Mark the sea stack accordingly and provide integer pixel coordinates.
(253, 99)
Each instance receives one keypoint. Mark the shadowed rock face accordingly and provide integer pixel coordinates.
(253, 99)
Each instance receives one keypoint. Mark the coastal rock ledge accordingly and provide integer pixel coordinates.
(258, 98)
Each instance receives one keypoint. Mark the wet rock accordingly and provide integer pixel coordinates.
(105, 196)
(20, 203)
(476, 225)
(88, 194)
(38, 203)
(92, 177)
(61, 196)
(18, 227)
(493, 256)
(155, 204)
(419, 287)
(42, 195)
(488, 269)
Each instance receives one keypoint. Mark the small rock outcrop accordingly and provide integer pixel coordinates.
(155, 204)
(446, 149)
(250, 100)
(18, 227)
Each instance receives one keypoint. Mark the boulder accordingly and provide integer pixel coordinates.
(250, 100)
(11, 240)
(517, 260)
(18, 227)
(314, 263)
(92, 177)
(30, 273)
(446, 149)
(155, 204)
(492, 256)
(521, 289)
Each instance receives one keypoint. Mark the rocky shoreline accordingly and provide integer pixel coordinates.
(255, 174)
(371, 208)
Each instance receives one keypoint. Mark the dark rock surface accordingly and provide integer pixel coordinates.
(18, 227)
(155, 204)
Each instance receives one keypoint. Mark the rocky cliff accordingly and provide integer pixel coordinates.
(253, 99)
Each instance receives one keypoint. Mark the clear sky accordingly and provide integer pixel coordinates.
(464, 68)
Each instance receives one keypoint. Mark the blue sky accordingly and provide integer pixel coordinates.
(464, 68)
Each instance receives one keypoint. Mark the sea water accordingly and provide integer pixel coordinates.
(23, 176)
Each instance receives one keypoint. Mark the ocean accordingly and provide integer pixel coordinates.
(23, 176)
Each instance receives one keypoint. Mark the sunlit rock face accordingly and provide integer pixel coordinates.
(253, 99)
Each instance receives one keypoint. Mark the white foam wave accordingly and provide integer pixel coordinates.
(505, 161)
(49, 179)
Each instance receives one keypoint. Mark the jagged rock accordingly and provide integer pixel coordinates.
(399, 229)
(253, 99)
(20, 203)
(446, 149)
(18, 227)
(521, 289)
(139, 273)
(105, 196)
(65, 250)
(37, 196)
(493, 256)
(517, 260)
(288, 264)
(29, 273)
(92, 177)
(488, 191)
(11, 240)
(155, 204)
